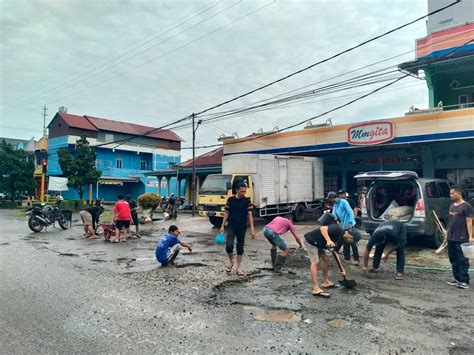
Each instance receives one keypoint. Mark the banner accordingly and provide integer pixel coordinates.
(57, 184)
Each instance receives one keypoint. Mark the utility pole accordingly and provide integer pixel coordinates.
(193, 184)
(45, 110)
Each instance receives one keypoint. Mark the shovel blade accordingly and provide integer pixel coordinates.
(348, 283)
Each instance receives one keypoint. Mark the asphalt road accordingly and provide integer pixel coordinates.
(60, 293)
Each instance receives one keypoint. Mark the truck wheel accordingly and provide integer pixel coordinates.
(437, 237)
(299, 213)
(216, 221)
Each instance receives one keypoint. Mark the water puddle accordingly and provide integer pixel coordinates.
(272, 315)
(179, 266)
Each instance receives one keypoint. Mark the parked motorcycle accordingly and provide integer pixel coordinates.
(40, 217)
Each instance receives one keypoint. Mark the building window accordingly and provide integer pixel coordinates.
(143, 165)
(332, 181)
(119, 163)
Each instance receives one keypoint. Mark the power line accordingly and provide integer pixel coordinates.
(326, 59)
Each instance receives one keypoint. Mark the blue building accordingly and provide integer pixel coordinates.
(124, 164)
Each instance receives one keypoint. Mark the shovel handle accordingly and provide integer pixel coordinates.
(338, 261)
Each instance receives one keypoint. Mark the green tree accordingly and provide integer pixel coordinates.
(16, 170)
(79, 166)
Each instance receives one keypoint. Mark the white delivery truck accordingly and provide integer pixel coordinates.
(276, 185)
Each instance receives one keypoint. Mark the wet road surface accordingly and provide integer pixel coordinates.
(61, 293)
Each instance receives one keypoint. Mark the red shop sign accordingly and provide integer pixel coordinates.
(371, 133)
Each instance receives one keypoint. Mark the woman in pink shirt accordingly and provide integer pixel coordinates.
(273, 231)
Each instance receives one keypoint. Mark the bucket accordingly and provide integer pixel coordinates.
(468, 250)
(326, 219)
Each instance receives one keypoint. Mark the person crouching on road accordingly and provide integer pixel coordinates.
(169, 245)
(317, 241)
(90, 217)
(273, 231)
(390, 232)
(238, 210)
(122, 216)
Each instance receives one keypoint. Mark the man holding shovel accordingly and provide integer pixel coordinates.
(390, 232)
(273, 231)
(317, 241)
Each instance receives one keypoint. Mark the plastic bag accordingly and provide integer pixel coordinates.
(220, 238)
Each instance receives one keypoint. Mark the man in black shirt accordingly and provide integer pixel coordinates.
(133, 212)
(390, 232)
(317, 241)
(459, 231)
(238, 210)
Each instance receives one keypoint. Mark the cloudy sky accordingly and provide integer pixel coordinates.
(153, 62)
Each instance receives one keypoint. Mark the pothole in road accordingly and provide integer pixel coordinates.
(36, 242)
(68, 254)
(99, 260)
(4, 243)
(383, 300)
(179, 266)
(271, 315)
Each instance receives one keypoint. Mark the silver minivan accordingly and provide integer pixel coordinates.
(403, 196)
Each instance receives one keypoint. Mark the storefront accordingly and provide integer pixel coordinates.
(433, 143)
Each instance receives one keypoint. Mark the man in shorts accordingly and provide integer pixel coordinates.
(169, 245)
(122, 216)
(317, 241)
(133, 212)
(90, 217)
(390, 232)
(238, 210)
(273, 231)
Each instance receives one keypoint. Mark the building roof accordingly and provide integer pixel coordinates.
(214, 157)
(77, 121)
(92, 123)
(131, 128)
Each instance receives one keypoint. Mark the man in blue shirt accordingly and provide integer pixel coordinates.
(168, 246)
(345, 215)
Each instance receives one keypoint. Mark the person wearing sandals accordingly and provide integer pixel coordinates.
(122, 216)
(169, 245)
(390, 232)
(323, 237)
(238, 211)
(133, 212)
(273, 231)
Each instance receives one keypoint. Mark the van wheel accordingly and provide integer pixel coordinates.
(438, 238)
(216, 221)
(299, 213)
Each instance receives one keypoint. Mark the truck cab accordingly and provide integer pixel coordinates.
(215, 191)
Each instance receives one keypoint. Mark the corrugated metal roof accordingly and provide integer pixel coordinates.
(92, 123)
(77, 121)
(131, 128)
(214, 157)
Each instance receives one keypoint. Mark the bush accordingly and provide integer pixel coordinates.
(68, 205)
(149, 201)
(10, 204)
(78, 204)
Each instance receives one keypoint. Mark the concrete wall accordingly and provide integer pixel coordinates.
(455, 15)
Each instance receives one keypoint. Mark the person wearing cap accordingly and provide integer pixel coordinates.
(169, 245)
(390, 232)
(357, 236)
(274, 231)
(317, 241)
